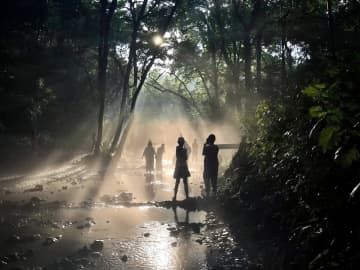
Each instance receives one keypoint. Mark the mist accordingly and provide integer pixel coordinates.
(162, 119)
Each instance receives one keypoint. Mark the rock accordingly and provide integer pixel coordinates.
(174, 233)
(89, 222)
(97, 245)
(126, 196)
(35, 199)
(82, 261)
(107, 198)
(96, 254)
(14, 238)
(84, 251)
(52, 240)
(66, 263)
(87, 203)
(36, 188)
(199, 241)
(124, 258)
(55, 225)
(7, 192)
(29, 253)
(147, 234)
(34, 237)
(14, 257)
(64, 187)
(90, 219)
(34, 202)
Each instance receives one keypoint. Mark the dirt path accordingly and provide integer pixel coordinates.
(68, 218)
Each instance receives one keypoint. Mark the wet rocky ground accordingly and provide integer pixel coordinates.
(68, 218)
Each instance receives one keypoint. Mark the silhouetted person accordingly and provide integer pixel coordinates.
(149, 154)
(159, 156)
(211, 164)
(195, 150)
(181, 167)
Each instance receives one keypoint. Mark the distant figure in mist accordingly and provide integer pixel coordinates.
(195, 151)
(149, 154)
(159, 156)
(181, 167)
(211, 164)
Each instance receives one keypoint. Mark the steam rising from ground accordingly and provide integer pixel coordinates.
(167, 132)
(164, 121)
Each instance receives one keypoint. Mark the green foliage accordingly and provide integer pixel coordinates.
(303, 150)
(328, 137)
(336, 110)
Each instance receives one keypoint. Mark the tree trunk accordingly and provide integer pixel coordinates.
(247, 59)
(103, 51)
(215, 83)
(283, 46)
(258, 52)
(120, 147)
(101, 84)
(125, 90)
(125, 111)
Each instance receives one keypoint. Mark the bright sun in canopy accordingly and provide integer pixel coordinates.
(157, 40)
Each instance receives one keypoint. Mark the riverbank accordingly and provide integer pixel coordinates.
(293, 224)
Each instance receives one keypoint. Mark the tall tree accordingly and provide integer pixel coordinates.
(141, 56)
(106, 13)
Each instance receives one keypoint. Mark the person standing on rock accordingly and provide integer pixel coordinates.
(149, 154)
(211, 164)
(181, 168)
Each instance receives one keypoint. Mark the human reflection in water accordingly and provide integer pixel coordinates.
(186, 225)
(176, 218)
(149, 187)
(183, 238)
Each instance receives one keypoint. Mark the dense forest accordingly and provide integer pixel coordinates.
(284, 73)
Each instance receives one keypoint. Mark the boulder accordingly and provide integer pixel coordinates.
(97, 245)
